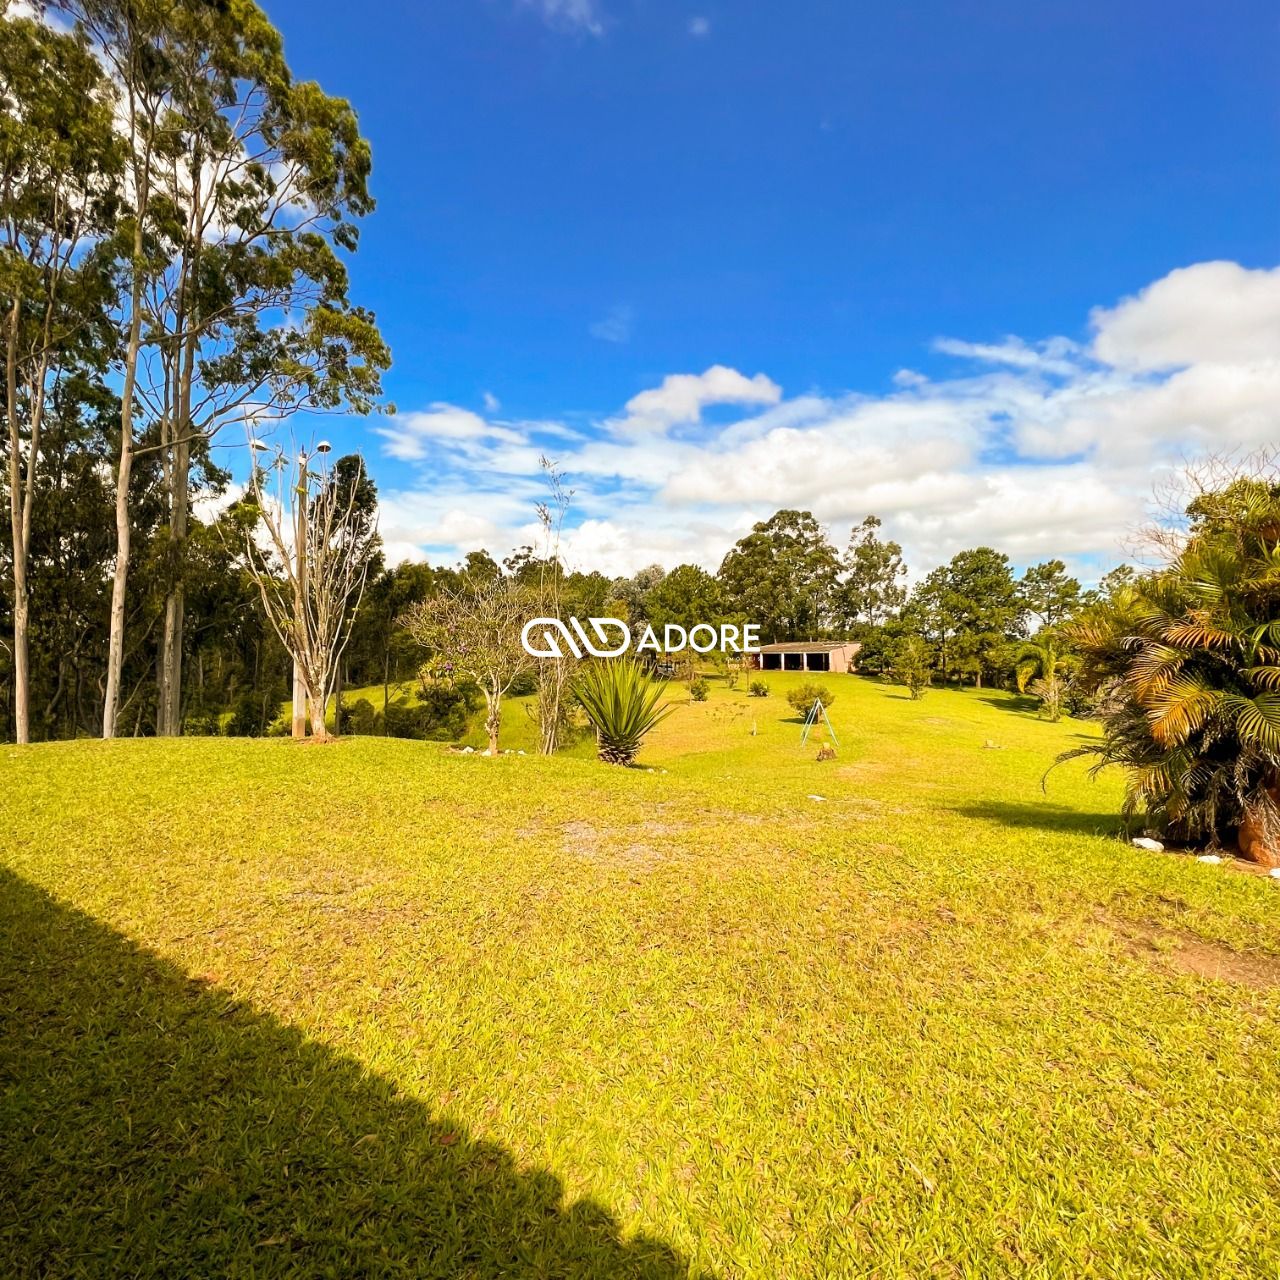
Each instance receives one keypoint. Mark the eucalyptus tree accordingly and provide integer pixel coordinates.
(59, 175)
(246, 187)
(872, 588)
(783, 576)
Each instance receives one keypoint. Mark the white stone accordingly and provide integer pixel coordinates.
(1142, 842)
(1274, 873)
(1211, 858)
(818, 798)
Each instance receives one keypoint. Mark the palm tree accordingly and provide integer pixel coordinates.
(1188, 664)
(1041, 669)
(621, 702)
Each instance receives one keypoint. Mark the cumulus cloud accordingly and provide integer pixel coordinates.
(1041, 448)
(411, 436)
(682, 397)
(1213, 312)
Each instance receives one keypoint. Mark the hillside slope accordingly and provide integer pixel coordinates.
(381, 1008)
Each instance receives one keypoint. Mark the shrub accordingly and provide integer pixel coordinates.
(1077, 701)
(622, 705)
(360, 717)
(699, 688)
(523, 685)
(912, 665)
(804, 696)
(441, 713)
(202, 724)
(247, 716)
(757, 689)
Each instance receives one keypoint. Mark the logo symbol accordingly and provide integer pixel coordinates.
(553, 630)
(573, 636)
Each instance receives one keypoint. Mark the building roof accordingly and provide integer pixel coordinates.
(808, 646)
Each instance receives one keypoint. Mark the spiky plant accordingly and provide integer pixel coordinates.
(621, 702)
(1188, 665)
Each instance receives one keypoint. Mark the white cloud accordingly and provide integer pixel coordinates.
(682, 397)
(413, 436)
(491, 402)
(1040, 448)
(699, 26)
(576, 15)
(616, 326)
(1057, 355)
(1213, 312)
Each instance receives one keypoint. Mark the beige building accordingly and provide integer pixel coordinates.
(809, 655)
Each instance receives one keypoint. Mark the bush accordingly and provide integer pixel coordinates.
(699, 688)
(804, 696)
(202, 724)
(757, 689)
(360, 717)
(913, 665)
(523, 685)
(247, 717)
(1077, 700)
(440, 714)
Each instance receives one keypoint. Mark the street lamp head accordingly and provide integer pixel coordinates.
(323, 447)
(259, 446)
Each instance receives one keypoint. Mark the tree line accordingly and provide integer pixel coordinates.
(175, 213)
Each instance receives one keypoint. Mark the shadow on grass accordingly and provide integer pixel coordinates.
(1016, 703)
(151, 1125)
(1045, 817)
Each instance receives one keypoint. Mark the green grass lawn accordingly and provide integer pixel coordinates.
(376, 1008)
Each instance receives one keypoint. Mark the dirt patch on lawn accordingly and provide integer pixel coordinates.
(638, 848)
(1179, 951)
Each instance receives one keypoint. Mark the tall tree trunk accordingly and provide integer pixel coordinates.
(21, 678)
(22, 492)
(21, 668)
(119, 584)
(169, 708)
(124, 472)
(178, 474)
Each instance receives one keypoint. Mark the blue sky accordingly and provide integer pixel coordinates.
(849, 207)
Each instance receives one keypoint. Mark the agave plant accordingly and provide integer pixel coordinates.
(621, 702)
(1188, 664)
